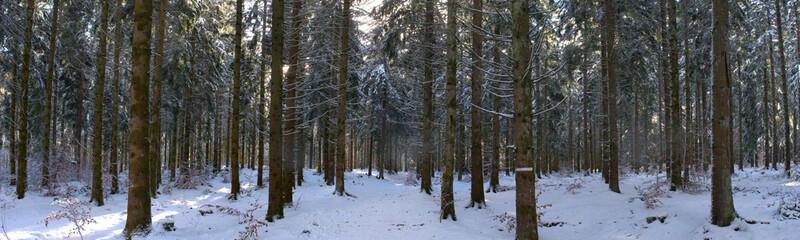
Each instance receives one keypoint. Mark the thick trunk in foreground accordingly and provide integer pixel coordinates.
(275, 207)
(447, 204)
(139, 216)
(722, 211)
(523, 135)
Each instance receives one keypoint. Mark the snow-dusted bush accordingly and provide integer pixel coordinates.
(696, 181)
(78, 212)
(789, 208)
(650, 193)
(411, 178)
(576, 184)
(248, 219)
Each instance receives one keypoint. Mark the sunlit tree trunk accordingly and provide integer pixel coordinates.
(139, 216)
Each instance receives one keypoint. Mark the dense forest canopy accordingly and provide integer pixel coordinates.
(130, 97)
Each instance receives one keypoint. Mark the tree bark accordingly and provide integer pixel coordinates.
(427, 98)
(115, 106)
(139, 216)
(675, 108)
(523, 112)
(237, 85)
(261, 91)
(787, 142)
(341, 109)
(275, 207)
(613, 136)
(48, 109)
(100, 83)
(477, 198)
(447, 202)
(22, 151)
(155, 112)
(722, 211)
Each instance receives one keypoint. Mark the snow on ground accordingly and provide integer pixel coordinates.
(388, 209)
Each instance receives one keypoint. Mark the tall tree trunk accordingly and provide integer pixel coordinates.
(787, 142)
(275, 208)
(100, 83)
(675, 108)
(427, 98)
(51, 66)
(767, 121)
(237, 85)
(609, 17)
(289, 146)
(340, 123)
(667, 127)
(261, 91)
(447, 202)
(115, 105)
(12, 128)
(155, 112)
(22, 151)
(774, 105)
(477, 198)
(494, 181)
(523, 135)
(139, 217)
(722, 211)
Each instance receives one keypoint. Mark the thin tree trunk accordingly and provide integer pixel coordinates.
(340, 125)
(115, 105)
(22, 151)
(609, 17)
(675, 158)
(97, 145)
(787, 141)
(155, 112)
(237, 73)
(48, 96)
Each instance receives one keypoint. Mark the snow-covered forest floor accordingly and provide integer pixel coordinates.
(575, 207)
